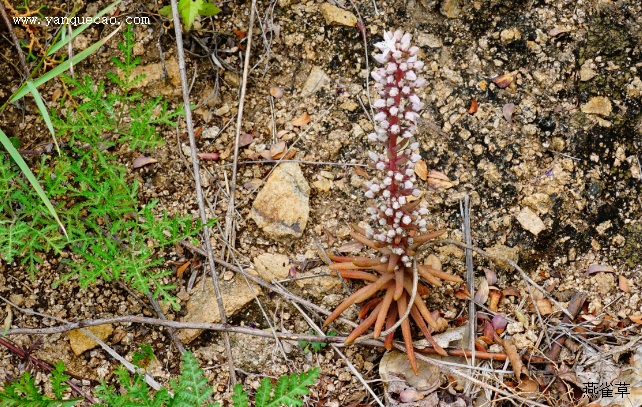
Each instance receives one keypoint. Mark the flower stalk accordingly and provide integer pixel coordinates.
(397, 228)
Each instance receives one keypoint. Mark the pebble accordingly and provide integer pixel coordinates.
(337, 16)
(282, 207)
(428, 40)
(450, 8)
(600, 105)
(202, 305)
(500, 250)
(586, 72)
(539, 202)
(317, 79)
(530, 221)
(80, 342)
(271, 266)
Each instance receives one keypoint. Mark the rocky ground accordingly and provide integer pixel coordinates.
(533, 110)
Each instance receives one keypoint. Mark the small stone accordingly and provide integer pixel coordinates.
(322, 185)
(282, 207)
(509, 35)
(349, 105)
(211, 132)
(586, 72)
(270, 266)
(202, 305)
(500, 250)
(80, 342)
(530, 221)
(317, 79)
(539, 202)
(450, 8)
(223, 110)
(600, 105)
(345, 376)
(319, 287)
(428, 40)
(337, 16)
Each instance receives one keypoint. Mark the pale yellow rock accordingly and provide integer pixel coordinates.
(337, 16)
(599, 105)
(317, 79)
(153, 75)
(530, 221)
(500, 250)
(539, 202)
(271, 266)
(282, 208)
(322, 185)
(80, 342)
(586, 73)
(319, 287)
(202, 305)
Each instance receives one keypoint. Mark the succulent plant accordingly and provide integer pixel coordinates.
(397, 226)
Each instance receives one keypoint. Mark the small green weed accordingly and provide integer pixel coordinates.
(111, 234)
(315, 346)
(190, 390)
(189, 10)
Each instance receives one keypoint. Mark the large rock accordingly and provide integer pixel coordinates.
(282, 207)
(202, 305)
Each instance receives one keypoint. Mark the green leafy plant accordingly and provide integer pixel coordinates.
(23, 392)
(189, 10)
(189, 390)
(315, 346)
(111, 235)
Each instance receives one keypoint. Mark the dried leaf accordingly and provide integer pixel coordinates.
(503, 81)
(545, 307)
(253, 184)
(438, 180)
(301, 120)
(245, 140)
(276, 92)
(473, 106)
(491, 276)
(239, 34)
(56, 94)
(510, 291)
(507, 111)
(556, 31)
(513, 356)
(361, 172)
(528, 385)
(350, 247)
(623, 284)
(198, 131)
(208, 156)
(181, 269)
(421, 169)
(142, 161)
(495, 297)
(462, 293)
(481, 295)
(596, 268)
(636, 318)
(499, 322)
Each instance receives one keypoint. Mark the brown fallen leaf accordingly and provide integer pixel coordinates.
(142, 161)
(596, 268)
(503, 81)
(495, 297)
(481, 295)
(545, 307)
(276, 92)
(636, 318)
(208, 156)
(421, 169)
(623, 284)
(513, 356)
(301, 120)
(56, 94)
(438, 180)
(245, 140)
(507, 111)
(361, 172)
(473, 106)
(181, 269)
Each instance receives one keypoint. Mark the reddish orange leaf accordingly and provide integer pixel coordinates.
(301, 120)
(473, 106)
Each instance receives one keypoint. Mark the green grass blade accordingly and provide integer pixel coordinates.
(43, 111)
(80, 29)
(32, 178)
(63, 67)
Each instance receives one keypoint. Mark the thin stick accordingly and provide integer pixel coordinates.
(14, 39)
(472, 312)
(229, 217)
(161, 315)
(199, 191)
(512, 264)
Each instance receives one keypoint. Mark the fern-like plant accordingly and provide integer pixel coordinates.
(190, 390)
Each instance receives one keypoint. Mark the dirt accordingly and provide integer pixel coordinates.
(578, 172)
